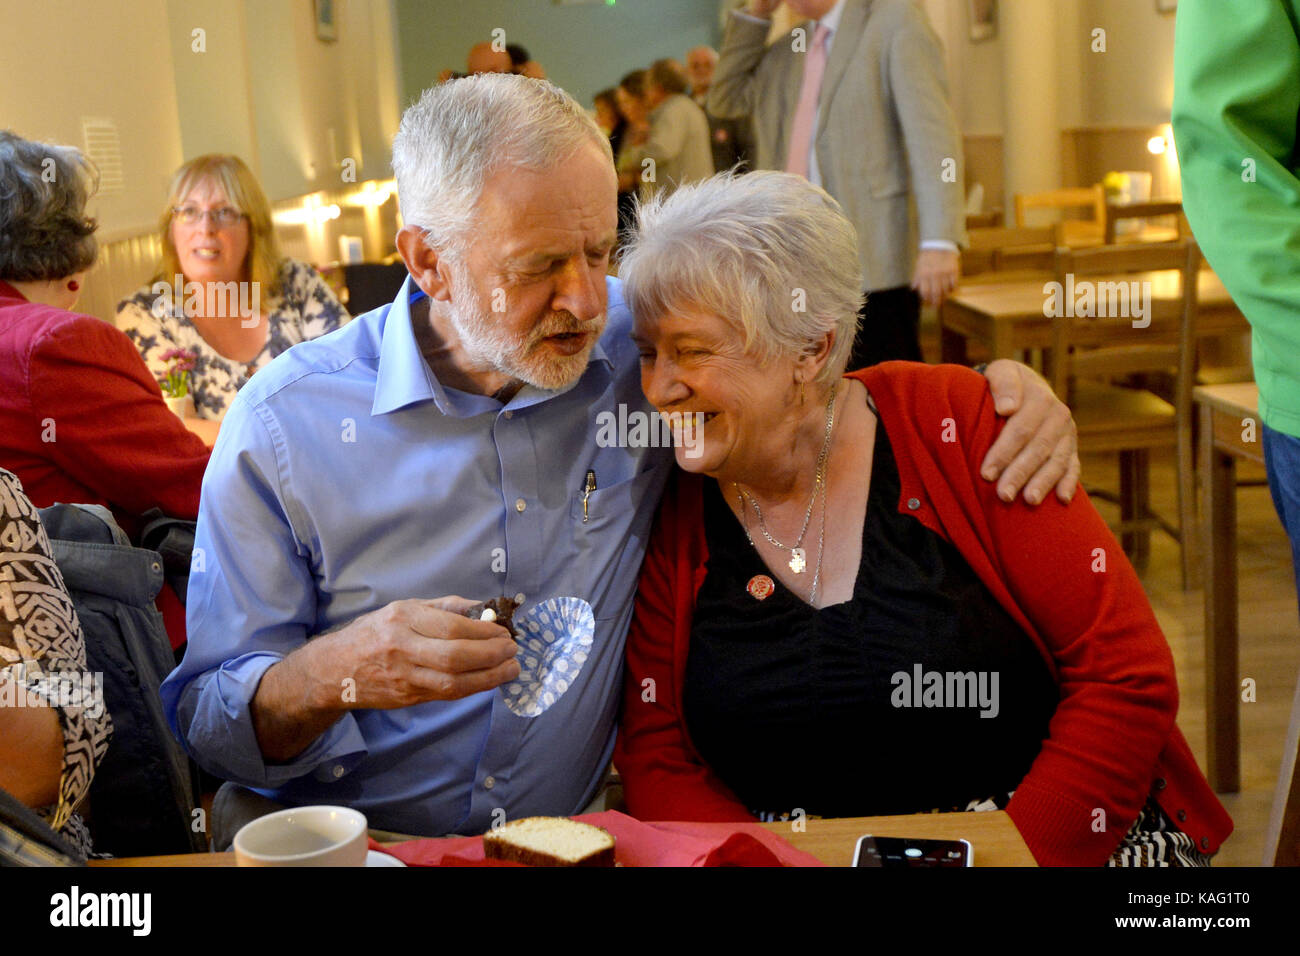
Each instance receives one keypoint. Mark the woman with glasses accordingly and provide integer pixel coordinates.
(223, 292)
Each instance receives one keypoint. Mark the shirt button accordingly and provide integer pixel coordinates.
(519, 598)
(489, 782)
(1205, 843)
(520, 504)
(1182, 815)
(338, 771)
(508, 414)
(1160, 783)
(913, 504)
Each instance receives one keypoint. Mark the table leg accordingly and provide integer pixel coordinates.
(1282, 841)
(952, 344)
(1220, 577)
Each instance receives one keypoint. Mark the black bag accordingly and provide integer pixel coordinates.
(27, 840)
(142, 798)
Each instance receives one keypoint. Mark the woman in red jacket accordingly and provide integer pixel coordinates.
(81, 418)
(837, 616)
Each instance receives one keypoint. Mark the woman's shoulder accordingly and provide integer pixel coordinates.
(920, 392)
(305, 304)
(147, 309)
(11, 489)
(296, 274)
(143, 300)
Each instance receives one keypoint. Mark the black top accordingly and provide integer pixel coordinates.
(795, 707)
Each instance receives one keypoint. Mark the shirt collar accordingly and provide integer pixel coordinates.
(832, 20)
(404, 377)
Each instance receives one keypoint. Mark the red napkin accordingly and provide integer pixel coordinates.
(635, 844)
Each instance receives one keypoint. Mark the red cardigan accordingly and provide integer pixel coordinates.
(83, 421)
(1112, 740)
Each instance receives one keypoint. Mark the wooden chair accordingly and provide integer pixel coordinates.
(1090, 353)
(983, 220)
(1118, 212)
(1073, 231)
(1014, 250)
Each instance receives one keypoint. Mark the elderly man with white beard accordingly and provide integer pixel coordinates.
(369, 484)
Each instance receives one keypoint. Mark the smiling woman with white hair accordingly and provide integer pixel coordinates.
(837, 615)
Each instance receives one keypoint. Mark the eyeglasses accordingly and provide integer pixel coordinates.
(223, 217)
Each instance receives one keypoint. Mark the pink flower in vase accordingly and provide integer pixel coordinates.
(175, 382)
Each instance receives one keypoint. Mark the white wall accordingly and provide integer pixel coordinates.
(65, 59)
(264, 88)
(1130, 84)
(1133, 82)
(211, 76)
(315, 103)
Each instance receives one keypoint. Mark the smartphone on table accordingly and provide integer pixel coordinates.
(906, 852)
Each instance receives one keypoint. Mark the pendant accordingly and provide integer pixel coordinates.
(798, 561)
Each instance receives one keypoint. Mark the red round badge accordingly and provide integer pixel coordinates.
(760, 586)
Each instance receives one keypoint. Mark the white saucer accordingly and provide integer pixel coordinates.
(375, 858)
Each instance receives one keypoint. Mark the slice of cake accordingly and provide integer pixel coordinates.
(549, 841)
(499, 610)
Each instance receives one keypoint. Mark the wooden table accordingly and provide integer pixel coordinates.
(1007, 317)
(1230, 429)
(993, 837)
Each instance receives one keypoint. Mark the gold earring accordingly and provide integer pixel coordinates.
(801, 393)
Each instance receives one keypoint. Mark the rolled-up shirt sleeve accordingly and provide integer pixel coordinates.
(252, 601)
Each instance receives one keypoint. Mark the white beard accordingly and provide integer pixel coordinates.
(486, 343)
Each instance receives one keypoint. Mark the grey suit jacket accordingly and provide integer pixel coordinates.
(886, 133)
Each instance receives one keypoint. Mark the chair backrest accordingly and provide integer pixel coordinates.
(1091, 197)
(1106, 323)
(996, 250)
(1118, 212)
(371, 285)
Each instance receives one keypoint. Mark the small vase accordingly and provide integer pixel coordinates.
(183, 406)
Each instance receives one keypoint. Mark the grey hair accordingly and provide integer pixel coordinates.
(44, 230)
(767, 250)
(459, 133)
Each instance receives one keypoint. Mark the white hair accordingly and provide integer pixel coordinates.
(458, 133)
(768, 251)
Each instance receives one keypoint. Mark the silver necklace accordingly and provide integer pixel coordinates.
(798, 556)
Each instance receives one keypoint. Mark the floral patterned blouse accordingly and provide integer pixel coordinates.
(305, 308)
(43, 654)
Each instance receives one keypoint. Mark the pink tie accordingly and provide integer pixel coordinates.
(801, 133)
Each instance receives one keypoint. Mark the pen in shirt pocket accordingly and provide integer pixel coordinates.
(589, 485)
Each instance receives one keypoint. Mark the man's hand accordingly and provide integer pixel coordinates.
(1039, 444)
(937, 271)
(404, 653)
(409, 652)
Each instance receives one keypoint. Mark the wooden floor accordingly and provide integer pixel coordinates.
(1270, 643)
(1269, 634)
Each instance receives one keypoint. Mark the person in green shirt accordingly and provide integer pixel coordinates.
(1236, 101)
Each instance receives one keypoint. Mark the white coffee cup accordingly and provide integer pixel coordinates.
(304, 836)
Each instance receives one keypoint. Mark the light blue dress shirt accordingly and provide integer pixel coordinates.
(346, 477)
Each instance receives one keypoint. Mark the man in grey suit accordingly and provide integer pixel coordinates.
(857, 102)
(678, 142)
